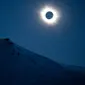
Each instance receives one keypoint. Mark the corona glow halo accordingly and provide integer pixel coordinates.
(52, 20)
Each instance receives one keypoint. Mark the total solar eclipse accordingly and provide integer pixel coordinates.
(49, 15)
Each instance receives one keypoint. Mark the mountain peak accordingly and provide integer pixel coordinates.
(5, 41)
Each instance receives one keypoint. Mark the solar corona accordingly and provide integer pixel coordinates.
(49, 15)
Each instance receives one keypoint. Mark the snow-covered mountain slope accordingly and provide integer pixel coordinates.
(19, 66)
(75, 68)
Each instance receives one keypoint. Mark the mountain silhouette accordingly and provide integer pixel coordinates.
(19, 66)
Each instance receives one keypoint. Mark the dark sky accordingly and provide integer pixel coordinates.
(64, 42)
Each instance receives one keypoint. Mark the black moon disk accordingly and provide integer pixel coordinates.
(49, 15)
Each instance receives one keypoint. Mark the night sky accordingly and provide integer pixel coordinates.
(63, 42)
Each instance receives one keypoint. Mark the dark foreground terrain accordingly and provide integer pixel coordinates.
(19, 66)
